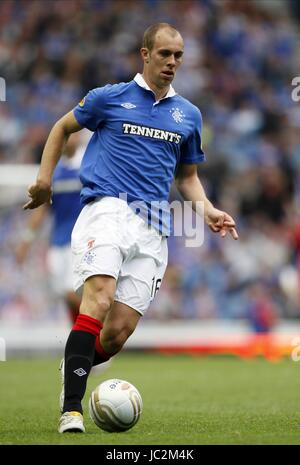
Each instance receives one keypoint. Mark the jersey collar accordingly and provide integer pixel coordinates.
(142, 83)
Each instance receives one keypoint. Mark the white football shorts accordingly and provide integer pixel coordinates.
(110, 239)
(59, 265)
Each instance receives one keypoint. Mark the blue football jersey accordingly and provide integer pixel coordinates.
(66, 204)
(136, 146)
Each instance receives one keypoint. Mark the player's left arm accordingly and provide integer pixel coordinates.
(190, 187)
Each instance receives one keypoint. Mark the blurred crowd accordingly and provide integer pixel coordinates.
(239, 61)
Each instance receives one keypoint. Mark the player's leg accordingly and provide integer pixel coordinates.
(119, 324)
(97, 298)
(98, 295)
(137, 285)
(99, 251)
(96, 259)
(73, 301)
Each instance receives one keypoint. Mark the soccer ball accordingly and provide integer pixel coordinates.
(115, 405)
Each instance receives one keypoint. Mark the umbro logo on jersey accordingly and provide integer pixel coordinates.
(128, 105)
(80, 372)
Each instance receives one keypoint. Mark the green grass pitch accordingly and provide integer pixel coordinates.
(187, 400)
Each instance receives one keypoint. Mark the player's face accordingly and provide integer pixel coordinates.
(162, 62)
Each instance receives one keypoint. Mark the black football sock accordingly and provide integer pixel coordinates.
(79, 355)
(98, 359)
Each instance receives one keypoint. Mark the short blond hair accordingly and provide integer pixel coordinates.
(151, 31)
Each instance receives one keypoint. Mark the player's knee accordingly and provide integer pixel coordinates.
(96, 303)
(99, 306)
(103, 301)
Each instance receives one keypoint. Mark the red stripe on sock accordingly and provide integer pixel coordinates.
(100, 351)
(88, 324)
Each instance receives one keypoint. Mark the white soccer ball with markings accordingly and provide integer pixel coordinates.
(115, 405)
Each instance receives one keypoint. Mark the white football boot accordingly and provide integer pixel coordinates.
(71, 422)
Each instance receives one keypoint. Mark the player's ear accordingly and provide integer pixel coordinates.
(145, 54)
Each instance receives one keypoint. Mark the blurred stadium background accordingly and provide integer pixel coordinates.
(240, 59)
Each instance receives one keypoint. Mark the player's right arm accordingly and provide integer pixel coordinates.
(40, 191)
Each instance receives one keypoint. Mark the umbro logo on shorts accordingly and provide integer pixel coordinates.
(128, 105)
(80, 372)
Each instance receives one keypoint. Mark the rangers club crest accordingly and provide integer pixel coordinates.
(177, 115)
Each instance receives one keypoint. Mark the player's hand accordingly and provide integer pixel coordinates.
(220, 222)
(39, 193)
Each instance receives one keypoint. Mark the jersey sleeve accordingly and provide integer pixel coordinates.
(191, 150)
(90, 111)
